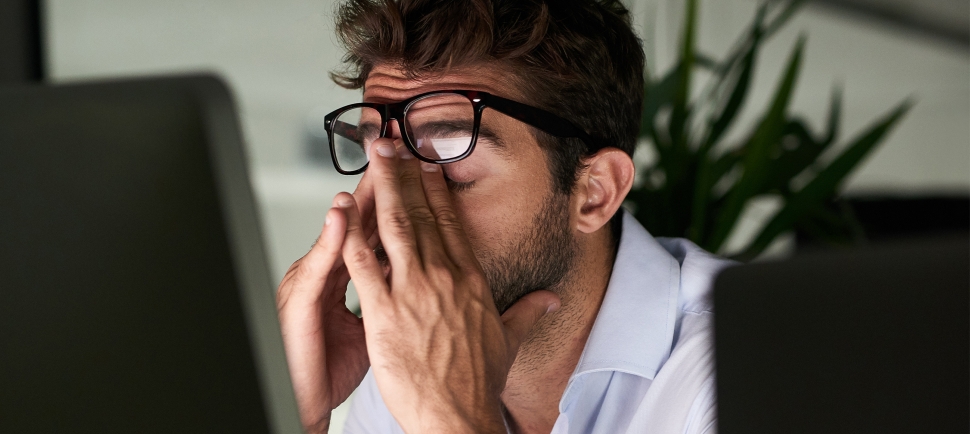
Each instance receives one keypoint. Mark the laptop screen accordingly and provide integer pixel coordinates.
(134, 295)
(875, 340)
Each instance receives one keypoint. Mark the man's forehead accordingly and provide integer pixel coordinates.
(387, 84)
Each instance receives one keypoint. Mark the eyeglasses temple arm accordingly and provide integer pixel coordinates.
(542, 120)
(344, 129)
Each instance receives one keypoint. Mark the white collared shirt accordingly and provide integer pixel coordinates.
(648, 365)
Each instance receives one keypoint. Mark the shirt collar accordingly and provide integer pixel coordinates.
(634, 329)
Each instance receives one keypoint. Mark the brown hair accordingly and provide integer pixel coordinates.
(576, 58)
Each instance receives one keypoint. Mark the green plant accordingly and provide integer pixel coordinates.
(700, 182)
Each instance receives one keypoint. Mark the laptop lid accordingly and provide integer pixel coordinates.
(875, 340)
(134, 291)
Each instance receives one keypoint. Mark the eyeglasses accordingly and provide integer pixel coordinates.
(437, 127)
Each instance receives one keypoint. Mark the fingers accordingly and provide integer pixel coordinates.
(447, 224)
(362, 264)
(426, 202)
(308, 276)
(416, 205)
(364, 195)
(393, 221)
(524, 314)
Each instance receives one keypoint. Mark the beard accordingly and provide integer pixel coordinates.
(540, 259)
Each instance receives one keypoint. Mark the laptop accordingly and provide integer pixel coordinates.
(134, 289)
(864, 341)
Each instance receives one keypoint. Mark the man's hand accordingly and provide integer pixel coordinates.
(324, 341)
(439, 349)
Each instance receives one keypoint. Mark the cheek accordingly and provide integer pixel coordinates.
(493, 213)
(486, 227)
(508, 193)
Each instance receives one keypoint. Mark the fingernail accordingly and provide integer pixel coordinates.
(344, 202)
(326, 222)
(552, 308)
(404, 153)
(385, 150)
(429, 167)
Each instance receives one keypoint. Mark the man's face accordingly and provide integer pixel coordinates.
(516, 222)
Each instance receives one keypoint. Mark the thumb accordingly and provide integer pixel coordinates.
(522, 316)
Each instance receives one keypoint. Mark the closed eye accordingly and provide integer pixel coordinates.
(457, 186)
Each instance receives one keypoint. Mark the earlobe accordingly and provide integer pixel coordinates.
(605, 182)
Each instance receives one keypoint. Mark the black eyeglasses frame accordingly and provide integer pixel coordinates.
(536, 117)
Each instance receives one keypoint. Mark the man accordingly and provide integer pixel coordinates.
(501, 286)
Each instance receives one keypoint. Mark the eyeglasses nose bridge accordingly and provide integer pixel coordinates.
(389, 128)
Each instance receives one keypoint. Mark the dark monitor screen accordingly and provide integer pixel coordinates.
(134, 296)
(874, 340)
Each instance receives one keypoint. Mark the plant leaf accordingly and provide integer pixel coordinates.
(826, 183)
(738, 95)
(739, 75)
(760, 146)
(723, 164)
(708, 175)
(706, 62)
(835, 117)
(655, 97)
(679, 115)
(792, 162)
(799, 150)
(783, 17)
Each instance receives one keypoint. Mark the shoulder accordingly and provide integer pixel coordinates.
(682, 397)
(698, 269)
(684, 392)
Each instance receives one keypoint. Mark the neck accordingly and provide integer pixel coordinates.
(549, 356)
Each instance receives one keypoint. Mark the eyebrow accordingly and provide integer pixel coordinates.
(493, 138)
(366, 128)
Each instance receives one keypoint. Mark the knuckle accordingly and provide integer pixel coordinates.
(360, 257)
(299, 271)
(294, 268)
(409, 177)
(420, 215)
(399, 220)
(437, 189)
(282, 296)
(447, 218)
(285, 289)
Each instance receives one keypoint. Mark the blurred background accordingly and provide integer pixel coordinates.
(276, 56)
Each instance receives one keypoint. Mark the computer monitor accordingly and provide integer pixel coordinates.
(864, 341)
(134, 290)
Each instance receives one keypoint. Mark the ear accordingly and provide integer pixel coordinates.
(601, 188)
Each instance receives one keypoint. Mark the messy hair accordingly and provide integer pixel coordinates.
(579, 59)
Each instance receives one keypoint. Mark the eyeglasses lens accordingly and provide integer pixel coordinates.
(353, 132)
(440, 125)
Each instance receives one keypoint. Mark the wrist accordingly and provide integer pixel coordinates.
(320, 426)
(490, 421)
